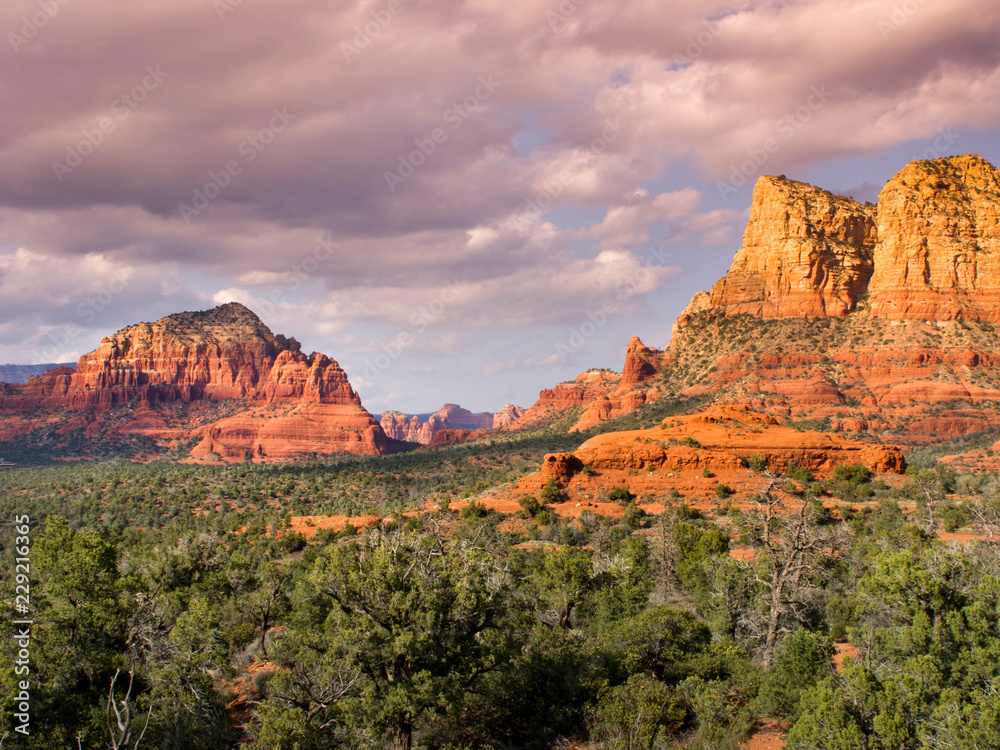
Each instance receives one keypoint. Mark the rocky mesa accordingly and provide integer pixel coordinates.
(279, 402)
(874, 320)
(930, 250)
(690, 455)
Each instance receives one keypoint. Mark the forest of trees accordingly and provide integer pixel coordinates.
(174, 608)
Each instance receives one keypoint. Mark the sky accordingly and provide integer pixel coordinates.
(461, 201)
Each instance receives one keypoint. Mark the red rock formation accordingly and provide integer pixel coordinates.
(507, 416)
(931, 252)
(679, 453)
(454, 437)
(399, 426)
(938, 252)
(457, 418)
(806, 253)
(699, 302)
(813, 349)
(559, 467)
(309, 428)
(723, 437)
(603, 394)
(221, 353)
(554, 402)
(293, 403)
(316, 379)
(641, 364)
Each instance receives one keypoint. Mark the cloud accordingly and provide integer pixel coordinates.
(55, 311)
(715, 82)
(630, 223)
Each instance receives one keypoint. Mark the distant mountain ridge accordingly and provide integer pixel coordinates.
(418, 428)
(20, 374)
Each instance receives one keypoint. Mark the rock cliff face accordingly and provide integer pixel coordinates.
(20, 374)
(641, 364)
(221, 353)
(691, 454)
(600, 395)
(450, 417)
(861, 319)
(463, 419)
(806, 253)
(938, 252)
(552, 403)
(725, 437)
(700, 302)
(931, 250)
(399, 426)
(293, 403)
(306, 428)
(507, 416)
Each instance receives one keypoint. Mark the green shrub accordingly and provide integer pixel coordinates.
(324, 536)
(685, 511)
(723, 491)
(474, 510)
(855, 474)
(633, 516)
(851, 483)
(545, 517)
(955, 516)
(757, 462)
(637, 714)
(620, 495)
(530, 505)
(552, 493)
(802, 660)
(802, 476)
(293, 542)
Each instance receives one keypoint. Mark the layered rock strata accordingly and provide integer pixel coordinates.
(692, 454)
(806, 253)
(862, 318)
(938, 252)
(929, 251)
(291, 403)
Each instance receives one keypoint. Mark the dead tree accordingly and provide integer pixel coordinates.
(120, 717)
(789, 544)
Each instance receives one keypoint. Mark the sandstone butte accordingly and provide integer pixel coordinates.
(461, 423)
(874, 319)
(277, 402)
(676, 455)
